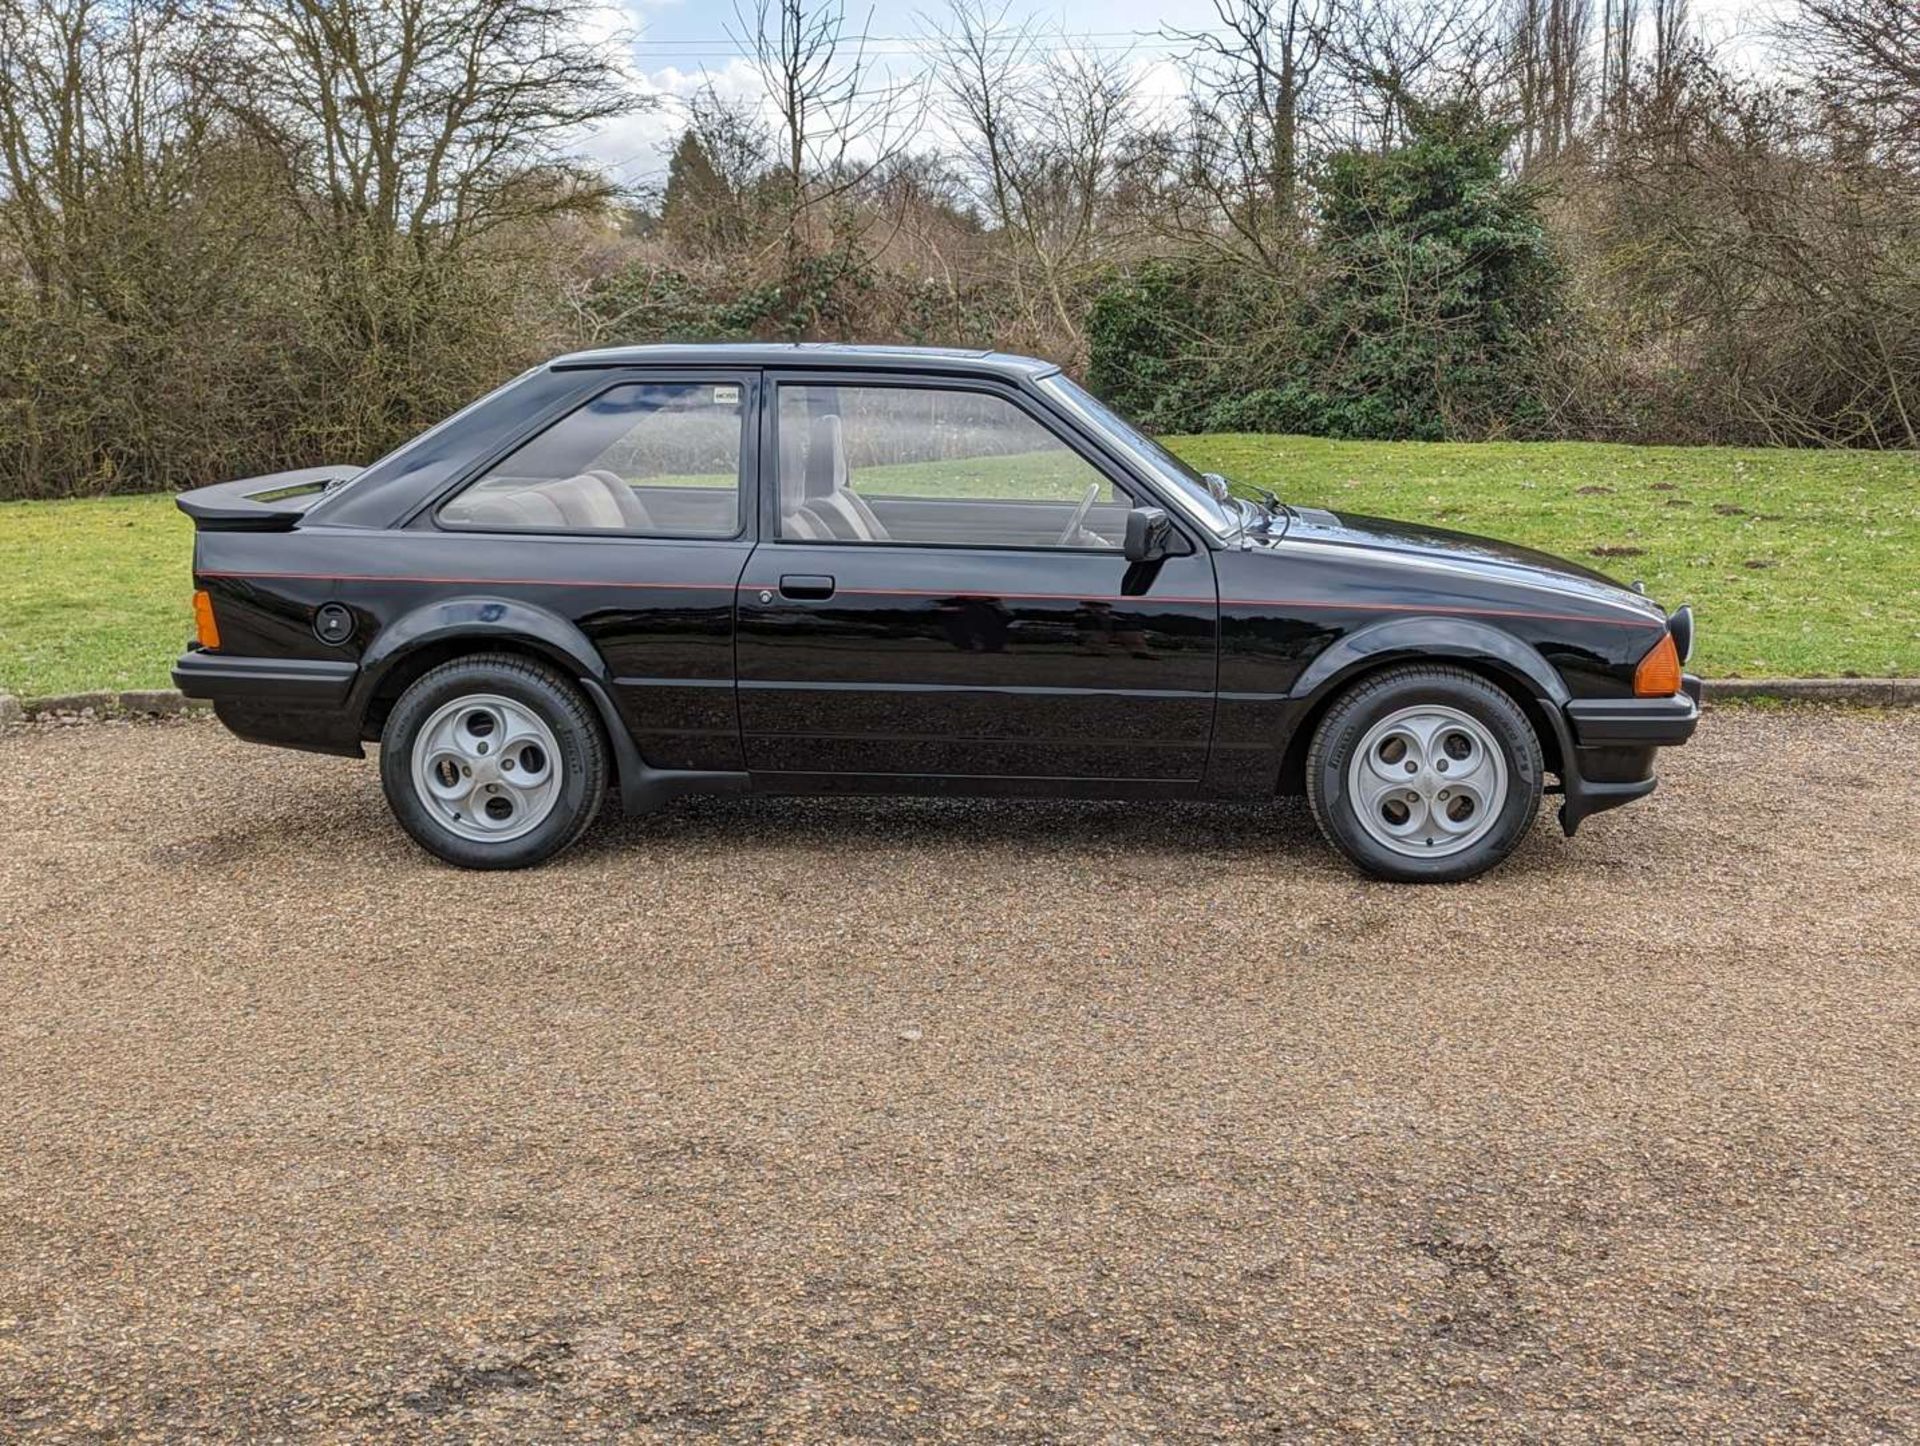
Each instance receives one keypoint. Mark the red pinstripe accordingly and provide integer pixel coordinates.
(1319, 606)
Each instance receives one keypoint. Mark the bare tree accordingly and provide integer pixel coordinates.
(1551, 40)
(1863, 57)
(1042, 128)
(432, 121)
(1619, 22)
(1388, 53)
(839, 116)
(1255, 84)
(1673, 42)
(94, 111)
(734, 134)
(715, 199)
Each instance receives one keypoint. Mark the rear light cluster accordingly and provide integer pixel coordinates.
(205, 630)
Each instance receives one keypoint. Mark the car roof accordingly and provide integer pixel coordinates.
(811, 354)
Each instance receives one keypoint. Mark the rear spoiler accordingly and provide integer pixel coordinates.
(273, 503)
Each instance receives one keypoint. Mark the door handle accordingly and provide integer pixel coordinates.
(806, 585)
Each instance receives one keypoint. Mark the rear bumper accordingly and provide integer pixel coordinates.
(1607, 746)
(303, 682)
(289, 702)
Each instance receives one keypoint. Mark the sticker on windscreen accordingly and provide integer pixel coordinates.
(726, 396)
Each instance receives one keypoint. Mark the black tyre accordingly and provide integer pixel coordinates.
(1424, 774)
(493, 762)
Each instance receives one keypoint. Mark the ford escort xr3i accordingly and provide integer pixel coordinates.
(806, 569)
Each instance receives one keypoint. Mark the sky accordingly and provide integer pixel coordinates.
(676, 47)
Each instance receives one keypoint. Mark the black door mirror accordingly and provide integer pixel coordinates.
(1149, 534)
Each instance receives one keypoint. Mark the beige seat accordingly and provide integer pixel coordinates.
(832, 511)
(588, 501)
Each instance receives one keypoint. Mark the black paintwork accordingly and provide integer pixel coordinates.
(791, 666)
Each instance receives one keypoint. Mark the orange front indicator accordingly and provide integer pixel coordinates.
(1658, 675)
(204, 627)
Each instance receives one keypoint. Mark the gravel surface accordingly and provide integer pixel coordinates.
(898, 1119)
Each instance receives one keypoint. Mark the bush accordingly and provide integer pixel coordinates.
(1433, 290)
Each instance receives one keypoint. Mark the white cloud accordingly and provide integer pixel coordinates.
(634, 147)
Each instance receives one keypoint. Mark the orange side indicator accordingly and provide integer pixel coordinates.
(204, 627)
(1658, 675)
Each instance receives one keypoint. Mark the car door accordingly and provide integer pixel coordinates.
(940, 590)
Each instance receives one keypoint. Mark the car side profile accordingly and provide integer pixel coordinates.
(665, 570)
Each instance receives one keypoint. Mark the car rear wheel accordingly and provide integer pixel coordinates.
(493, 762)
(1424, 774)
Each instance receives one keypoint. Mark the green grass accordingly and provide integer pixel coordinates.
(1798, 563)
(94, 594)
(1056, 475)
(1050, 476)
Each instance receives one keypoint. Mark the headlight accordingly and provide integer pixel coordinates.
(1681, 626)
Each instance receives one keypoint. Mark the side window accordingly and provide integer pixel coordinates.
(935, 465)
(661, 458)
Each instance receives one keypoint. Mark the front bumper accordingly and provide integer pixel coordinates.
(1607, 747)
(289, 702)
(1645, 722)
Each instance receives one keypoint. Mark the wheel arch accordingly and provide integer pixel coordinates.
(457, 627)
(439, 632)
(1509, 663)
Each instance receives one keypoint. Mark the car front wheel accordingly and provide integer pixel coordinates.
(493, 762)
(1424, 774)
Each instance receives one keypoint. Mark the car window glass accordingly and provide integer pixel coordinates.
(938, 465)
(1195, 497)
(661, 458)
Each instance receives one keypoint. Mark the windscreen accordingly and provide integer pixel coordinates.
(1178, 477)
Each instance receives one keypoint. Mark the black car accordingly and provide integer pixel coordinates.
(811, 569)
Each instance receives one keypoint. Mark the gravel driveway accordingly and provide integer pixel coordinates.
(897, 1119)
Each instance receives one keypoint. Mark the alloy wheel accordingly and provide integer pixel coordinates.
(1428, 781)
(487, 768)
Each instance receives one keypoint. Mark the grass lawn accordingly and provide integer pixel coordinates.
(93, 594)
(1798, 563)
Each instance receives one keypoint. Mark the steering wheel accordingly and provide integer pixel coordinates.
(1072, 529)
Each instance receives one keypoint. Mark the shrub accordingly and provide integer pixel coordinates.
(1430, 292)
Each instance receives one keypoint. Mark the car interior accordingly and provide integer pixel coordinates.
(659, 458)
(588, 500)
(824, 499)
(856, 465)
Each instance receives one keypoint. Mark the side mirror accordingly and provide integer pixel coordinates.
(1149, 534)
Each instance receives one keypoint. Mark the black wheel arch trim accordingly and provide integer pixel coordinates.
(644, 788)
(1411, 638)
(1469, 640)
(504, 622)
(482, 620)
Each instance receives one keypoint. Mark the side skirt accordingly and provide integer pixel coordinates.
(958, 785)
(644, 788)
